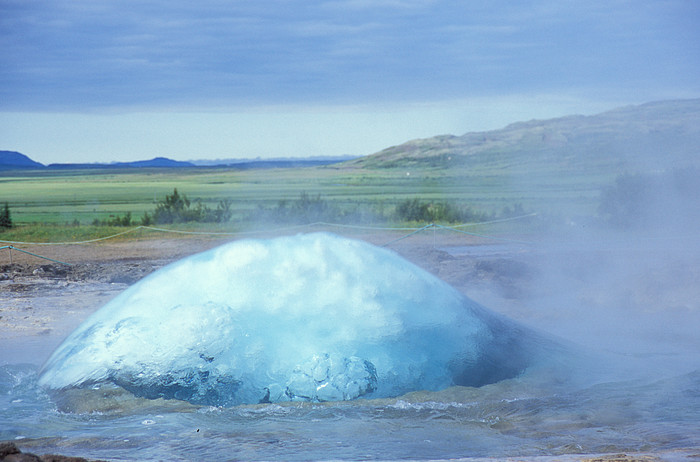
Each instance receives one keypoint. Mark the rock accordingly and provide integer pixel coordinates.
(9, 452)
(7, 448)
(22, 457)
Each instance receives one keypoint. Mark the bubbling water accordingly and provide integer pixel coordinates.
(312, 317)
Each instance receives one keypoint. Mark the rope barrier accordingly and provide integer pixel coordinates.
(74, 242)
(501, 220)
(204, 233)
(450, 228)
(288, 228)
(409, 234)
(495, 238)
(373, 228)
(11, 248)
(414, 231)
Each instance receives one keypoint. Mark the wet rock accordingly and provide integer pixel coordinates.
(9, 452)
(7, 448)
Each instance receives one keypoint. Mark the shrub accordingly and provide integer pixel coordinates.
(5, 218)
(115, 221)
(429, 212)
(652, 200)
(177, 208)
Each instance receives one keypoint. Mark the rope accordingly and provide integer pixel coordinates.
(483, 235)
(318, 223)
(11, 248)
(205, 233)
(435, 226)
(376, 228)
(501, 220)
(74, 242)
(409, 234)
(287, 228)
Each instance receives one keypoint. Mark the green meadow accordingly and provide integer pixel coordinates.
(48, 205)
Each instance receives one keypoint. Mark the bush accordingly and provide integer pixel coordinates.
(306, 209)
(652, 200)
(177, 208)
(623, 204)
(5, 218)
(115, 221)
(428, 212)
(314, 208)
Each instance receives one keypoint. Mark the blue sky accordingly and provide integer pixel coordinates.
(87, 81)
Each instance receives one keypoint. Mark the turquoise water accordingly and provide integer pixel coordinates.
(524, 417)
(635, 387)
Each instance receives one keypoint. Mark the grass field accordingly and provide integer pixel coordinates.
(72, 200)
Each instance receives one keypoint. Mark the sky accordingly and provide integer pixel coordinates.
(120, 80)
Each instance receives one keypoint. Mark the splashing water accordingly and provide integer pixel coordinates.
(308, 318)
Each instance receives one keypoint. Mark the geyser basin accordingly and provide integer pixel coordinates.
(313, 317)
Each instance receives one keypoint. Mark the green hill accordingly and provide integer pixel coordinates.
(558, 165)
(637, 138)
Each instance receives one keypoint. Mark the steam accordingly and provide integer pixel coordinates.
(627, 283)
(312, 317)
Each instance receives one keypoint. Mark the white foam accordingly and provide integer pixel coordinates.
(255, 320)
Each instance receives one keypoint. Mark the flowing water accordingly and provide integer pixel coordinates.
(508, 419)
(636, 389)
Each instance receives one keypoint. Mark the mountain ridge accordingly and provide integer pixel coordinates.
(14, 159)
(650, 136)
(159, 162)
(657, 134)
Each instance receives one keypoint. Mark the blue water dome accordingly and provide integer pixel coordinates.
(312, 317)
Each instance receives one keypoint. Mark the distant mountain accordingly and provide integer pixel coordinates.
(158, 162)
(645, 138)
(15, 160)
(275, 162)
(290, 163)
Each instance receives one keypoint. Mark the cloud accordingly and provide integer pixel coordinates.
(379, 4)
(80, 55)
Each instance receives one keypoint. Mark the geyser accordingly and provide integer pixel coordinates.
(313, 317)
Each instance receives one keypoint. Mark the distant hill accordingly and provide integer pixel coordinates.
(277, 162)
(281, 163)
(158, 162)
(15, 160)
(644, 138)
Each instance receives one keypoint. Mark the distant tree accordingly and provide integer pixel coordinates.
(624, 204)
(177, 208)
(412, 210)
(172, 209)
(5, 219)
(223, 212)
(419, 211)
(146, 219)
(652, 200)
